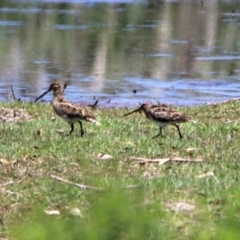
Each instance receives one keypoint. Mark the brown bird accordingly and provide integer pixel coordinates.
(67, 110)
(162, 115)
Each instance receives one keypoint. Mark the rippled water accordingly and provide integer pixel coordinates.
(121, 52)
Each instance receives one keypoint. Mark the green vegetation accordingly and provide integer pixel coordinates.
(174, 200)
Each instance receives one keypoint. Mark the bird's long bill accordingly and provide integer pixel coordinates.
(136, 110)
(42, 95)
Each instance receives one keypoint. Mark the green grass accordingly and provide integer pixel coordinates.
(37, 150)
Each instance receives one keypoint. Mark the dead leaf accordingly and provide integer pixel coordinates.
(52, 212)
(104, 156)
(181, 207)
(228, 138)
(76, 212)
(130, 143)
(5, 161)
(208, 174)
(60, 131)
(25, 157)
(190, 150)
(228, 121)
(147, 174)
(15, 162)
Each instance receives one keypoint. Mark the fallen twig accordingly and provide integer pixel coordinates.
(161, 161)
(131, 186)
(82, 186)
(7, 183)
(178, 159)
(140, 158)
(14, 97)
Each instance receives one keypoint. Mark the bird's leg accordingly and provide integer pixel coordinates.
(81, 128)
(72, 128)
(159, 134)
(180, 135)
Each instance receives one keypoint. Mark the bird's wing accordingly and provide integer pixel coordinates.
(73, 110)
(166, 114)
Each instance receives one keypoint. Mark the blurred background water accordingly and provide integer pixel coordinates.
(121, 52)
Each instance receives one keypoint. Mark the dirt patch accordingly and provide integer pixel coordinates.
(11, 115)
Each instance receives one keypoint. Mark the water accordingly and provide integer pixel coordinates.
(121, 52)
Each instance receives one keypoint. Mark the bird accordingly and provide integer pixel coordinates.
(68, 111)
(162, 115)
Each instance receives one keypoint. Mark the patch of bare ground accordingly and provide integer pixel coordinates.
(12, 115)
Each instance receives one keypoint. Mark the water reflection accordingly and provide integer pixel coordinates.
(168, 51)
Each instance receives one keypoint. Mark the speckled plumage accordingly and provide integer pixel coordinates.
(67, 110)
(162, 115)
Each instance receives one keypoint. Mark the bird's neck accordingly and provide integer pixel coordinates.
(147, 112)
(57, 94)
